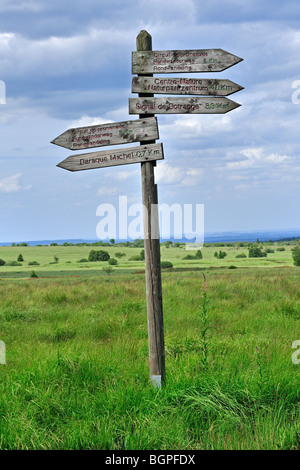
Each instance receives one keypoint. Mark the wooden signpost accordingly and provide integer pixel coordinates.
(152, 256)
(181, 105)
(108, 134)
(184, 86)
(201, 60)
(145, 62)
(88, 161)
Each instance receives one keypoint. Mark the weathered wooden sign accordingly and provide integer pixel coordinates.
(184, 105)
(201, 60)
(114, 133)
(105, 158)
(184, 86)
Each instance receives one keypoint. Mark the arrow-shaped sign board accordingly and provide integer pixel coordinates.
(114, 133)
(184, 86)
(105, 158)
(184, 105)
(201, 60)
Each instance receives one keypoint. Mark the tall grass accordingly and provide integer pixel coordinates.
(77, 373)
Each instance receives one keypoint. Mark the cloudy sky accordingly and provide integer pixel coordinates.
(68, 64)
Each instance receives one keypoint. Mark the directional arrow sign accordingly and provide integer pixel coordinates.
(109, 134)
(170, 105)
(184, 86)
(201, 60)
(88, 161)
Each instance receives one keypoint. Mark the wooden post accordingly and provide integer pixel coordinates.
(152, 253)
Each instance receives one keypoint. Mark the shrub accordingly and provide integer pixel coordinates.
(296, 255)
(2, 262)
(20, 258)
(112, 262)
(220, 255)
(13, 263)
(166, 264)
(119, 255)
(198, 254)
(135, 258)
(33, 274)
(98, 255)
(269, 250)
(232, 267)
(33, 263)
(241, 255)
(256, 252)
(189, 257)
(280, 248)
(108, 270)
(82, 260)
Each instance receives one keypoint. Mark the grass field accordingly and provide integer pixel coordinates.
(77, 373)
(68, 257)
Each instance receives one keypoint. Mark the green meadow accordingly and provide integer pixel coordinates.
(77, 376)
(69, 257)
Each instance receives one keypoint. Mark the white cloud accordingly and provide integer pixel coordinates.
(257, 158)
(88, 121)
(168, 174)
(125, 175)
(192, 176)
(11, 5)
(109, 191)
(193, 127)
(11, 184)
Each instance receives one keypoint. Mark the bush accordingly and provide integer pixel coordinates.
(33, 274)
(220, 255)
(2, 262)
(13, 263)
(189, 257)
(119, 255)
(112, 262)
(82, 260)
(256, 252)
(241, 255)
(33, 263)
(280, 249)
(296, 255)
(198, 255)
(20, 258)
(108, 270)
(98, 255)
(166, 264)
(232, 267)
(139, 257)
(269, 250)
(135, 258)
